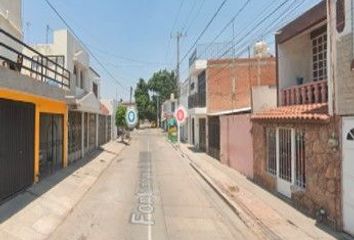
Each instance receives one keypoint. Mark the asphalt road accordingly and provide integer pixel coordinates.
(151, 192)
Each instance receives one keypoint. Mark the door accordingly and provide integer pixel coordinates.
(285, 161)
(16, 146)
(348, 175)
(214, 137)
(202, 134)
(51, 144)
(193, 133)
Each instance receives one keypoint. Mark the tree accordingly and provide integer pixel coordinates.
(164, 83)
(120, 116)
(142, 100)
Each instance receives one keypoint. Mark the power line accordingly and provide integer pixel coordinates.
(84, 45)
(204, 30)
(196, 16)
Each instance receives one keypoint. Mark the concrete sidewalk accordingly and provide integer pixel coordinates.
(267, 215)
(37, 212)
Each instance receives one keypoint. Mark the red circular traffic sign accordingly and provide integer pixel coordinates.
(180, 114)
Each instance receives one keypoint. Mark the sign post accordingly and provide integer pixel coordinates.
(180, 115)
(131, 117)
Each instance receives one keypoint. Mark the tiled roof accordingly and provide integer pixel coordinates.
(104, 110)
(309, 112)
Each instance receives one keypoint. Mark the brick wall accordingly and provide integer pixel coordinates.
(323, 169)
(229, 81)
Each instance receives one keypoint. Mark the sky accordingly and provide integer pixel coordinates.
(134, 38)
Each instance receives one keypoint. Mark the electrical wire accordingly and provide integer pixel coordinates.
(204, 30)
(83, 44)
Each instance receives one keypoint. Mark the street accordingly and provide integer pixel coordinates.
(151, 192)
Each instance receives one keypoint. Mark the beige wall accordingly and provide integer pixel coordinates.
(11, 17)
(294, 59)
(263, 97)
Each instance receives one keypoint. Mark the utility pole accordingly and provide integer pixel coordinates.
(178, 37)
(131, 94)
(47, 34)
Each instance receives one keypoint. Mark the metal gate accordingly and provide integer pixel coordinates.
(202, 134)
(109, 129)
(51, 144)
(101, 130)
(16, 146)
(75, 135)
(214, 137)
(92, 131)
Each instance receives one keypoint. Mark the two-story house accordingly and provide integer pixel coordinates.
(33, 109)
(88, 126)
(296, 150)
(231, 83)
(197, 101)
(341, 53)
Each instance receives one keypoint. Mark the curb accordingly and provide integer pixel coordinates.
(249, 219)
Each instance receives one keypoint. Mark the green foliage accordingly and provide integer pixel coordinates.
(161, 84)
(164, 83)
(120, 116)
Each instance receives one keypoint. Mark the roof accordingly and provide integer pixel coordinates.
(310, 18)
(104, 110)
(308, 112)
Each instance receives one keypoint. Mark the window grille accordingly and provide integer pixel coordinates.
(271, 151)
(300, 177)
(285, 154)
(319, 56)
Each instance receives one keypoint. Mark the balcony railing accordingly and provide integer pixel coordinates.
(197, 100)
(19, 57)
(308, 93)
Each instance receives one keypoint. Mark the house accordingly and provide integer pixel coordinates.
(183, 101)
(111, 105)
(296, 145)
(197, 99)
(87, 128)
(230, 86)
(33, 109)
(341, 44)
(167, 110)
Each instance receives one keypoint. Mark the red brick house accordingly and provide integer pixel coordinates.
(296, 146)
(231, 83)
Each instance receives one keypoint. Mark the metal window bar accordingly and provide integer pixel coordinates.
(300, 167)
(271, 151)
(285, 154)
(12, 54)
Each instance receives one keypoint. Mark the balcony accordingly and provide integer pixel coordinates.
(17, 56)
(197, 100)
(308, 93)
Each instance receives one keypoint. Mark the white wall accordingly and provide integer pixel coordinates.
(263, 97)
(295, 59)
(11, 22)
(11, 17)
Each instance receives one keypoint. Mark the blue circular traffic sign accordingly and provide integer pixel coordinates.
(131, 117)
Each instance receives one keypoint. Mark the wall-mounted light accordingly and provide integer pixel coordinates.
(333, 142)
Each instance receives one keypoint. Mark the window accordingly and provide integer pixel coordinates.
(350, 135)
(319, 54)
(340, 15)
(271, 151)
(95, 89)
(82, 75)
(300, 178)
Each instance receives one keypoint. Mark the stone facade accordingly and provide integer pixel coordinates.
(322, 168)
(344, 76)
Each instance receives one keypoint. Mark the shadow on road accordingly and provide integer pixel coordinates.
(17, 202)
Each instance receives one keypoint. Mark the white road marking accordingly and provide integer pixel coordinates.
(149, 155)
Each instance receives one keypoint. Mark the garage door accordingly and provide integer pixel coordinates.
(348, 175)
(16, 147)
